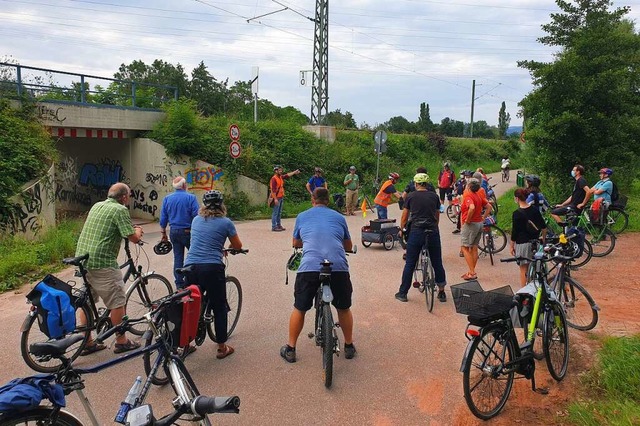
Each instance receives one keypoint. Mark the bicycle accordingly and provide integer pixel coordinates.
(493, 239)
(493, 355)
(453, 209)
(139, 298)
(325, 327)
(188, 401)
(424, 278)
(505, 174)
(206, 320)
(581, 251)
(617, 219)
(601, 238)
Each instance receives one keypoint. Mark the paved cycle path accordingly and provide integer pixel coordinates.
(406, 371)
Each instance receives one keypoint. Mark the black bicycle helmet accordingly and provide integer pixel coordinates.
(163, 247)
(534, 180)
(276, 167)
(212, 198)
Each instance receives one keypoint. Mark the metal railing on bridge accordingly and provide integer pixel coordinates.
(40, 84)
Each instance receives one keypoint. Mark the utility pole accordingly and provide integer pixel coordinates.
(254, 89)
(320, 89)
(473, 99)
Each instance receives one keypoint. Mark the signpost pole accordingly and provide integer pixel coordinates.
(377, 181)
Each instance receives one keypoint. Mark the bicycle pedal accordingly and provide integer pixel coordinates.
(542, 391)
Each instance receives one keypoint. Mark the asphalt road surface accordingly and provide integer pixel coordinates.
(406, 371)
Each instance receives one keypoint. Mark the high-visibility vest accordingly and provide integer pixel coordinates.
(383, 199)
(279, 185)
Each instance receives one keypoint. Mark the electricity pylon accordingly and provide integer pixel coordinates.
(320, 89)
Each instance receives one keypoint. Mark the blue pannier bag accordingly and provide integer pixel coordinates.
(55, 307)
(27, 393)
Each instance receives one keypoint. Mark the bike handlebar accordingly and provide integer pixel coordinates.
(203, 405)
(234, 251)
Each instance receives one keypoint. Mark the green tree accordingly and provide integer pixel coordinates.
(504, 119)
(424, 120)
(584, 107)
(399, 124)
(451, 127)
(338, 119)
(209, 94)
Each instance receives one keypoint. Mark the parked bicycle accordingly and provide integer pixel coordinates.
(581, 249)
(424, 278)
(493, 355)
(189, 404)
(206, 320)
(325, 328)
(617, 218)
(491, 198)
(493, 239)
(453, 209)
(141, 295)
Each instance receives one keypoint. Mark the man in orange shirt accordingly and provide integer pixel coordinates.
(383, 199)
(276, 188)
(472, 216)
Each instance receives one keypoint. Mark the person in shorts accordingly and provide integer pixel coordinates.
(527, 226)
(474, 210)
(107, 224)
(446, 182)
(323, 234)
(579, 196)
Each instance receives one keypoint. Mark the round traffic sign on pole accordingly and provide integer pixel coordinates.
(235, 149)
(234, 132)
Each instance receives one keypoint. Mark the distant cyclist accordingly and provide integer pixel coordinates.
(505, 164)
(535, 197)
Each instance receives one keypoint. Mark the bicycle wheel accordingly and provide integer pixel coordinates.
(160, 376)
(555, 341)
(603, 242)
(585, 257)
(486, 385)
(184, 387)
(234, 305)
(499, 240)
(30, 334)
(488, 244)
(328, 345)
(387, 241)
(41, 416)
(618, 220)
(141, 296)
(429, 283)
(452, 213)
(581, 310)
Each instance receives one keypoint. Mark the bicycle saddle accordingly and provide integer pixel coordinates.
(55, 348)
(75, 260)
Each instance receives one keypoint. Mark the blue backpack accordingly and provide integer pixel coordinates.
(27, 393)
(55, 307)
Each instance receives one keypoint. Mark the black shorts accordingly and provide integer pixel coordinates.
(307, 284)
(561, 211)
(446, 191)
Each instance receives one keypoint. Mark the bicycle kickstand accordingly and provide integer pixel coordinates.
(541, 391)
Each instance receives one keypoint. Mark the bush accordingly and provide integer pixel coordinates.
(237, 205)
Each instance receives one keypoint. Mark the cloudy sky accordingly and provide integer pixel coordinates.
(385, 57)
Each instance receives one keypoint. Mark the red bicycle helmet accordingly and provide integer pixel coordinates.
(394, 176)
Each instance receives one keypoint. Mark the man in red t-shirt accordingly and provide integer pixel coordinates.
(474, 211)
(446, 182)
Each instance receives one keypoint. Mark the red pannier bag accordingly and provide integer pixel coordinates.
(183, 317)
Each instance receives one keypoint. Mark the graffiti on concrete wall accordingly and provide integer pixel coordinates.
(203, 178)
(101, 175)
(25, 216)
(145, 200)
(156, 179)
(55, 114)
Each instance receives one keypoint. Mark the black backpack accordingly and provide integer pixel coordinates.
(615, 194)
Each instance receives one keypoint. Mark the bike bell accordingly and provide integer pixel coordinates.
(163, 247)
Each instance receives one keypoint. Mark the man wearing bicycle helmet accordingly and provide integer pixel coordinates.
(316, 181)
(383, 198)
(323, 234)
(107, 223)
(209, 232)
(604, 187)
(276, 194)
(423, 207)
(178, 210)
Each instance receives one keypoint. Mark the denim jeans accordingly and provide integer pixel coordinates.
(414, 245)
(382, 211)
(276, 214)
(181, 240)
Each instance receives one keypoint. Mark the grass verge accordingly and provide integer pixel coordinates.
(24, 261)
(612, 387)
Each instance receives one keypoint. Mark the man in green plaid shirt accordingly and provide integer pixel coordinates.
(107, 224)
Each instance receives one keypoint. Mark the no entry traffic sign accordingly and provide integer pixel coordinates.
(234, 132)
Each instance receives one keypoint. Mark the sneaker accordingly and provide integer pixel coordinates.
(461, 254)
(289, 353)
(277, 229)
(281, 228)
(442, 296)
(455, 231)
(349, 351)
(401, 297)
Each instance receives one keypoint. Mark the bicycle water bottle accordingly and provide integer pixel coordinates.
(129, 401)
(441, 208)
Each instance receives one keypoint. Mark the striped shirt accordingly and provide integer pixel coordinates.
(107, 224)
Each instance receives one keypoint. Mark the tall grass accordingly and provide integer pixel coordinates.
(24, 261)
(614, 385)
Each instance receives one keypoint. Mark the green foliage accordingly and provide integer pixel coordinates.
(506, 208)
(584, 108)
(237, 205)
(504, 119)
(27, 150)
(341, 121)
(615, 385)
(424, 120)
(24, 261)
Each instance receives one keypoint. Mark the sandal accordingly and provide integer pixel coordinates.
(126, 347)
(95, 347)
(224, 352)
(470, 277)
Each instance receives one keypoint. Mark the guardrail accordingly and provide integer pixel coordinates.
(19, 81)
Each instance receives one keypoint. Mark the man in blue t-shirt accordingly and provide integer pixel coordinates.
(178, 210)
(316, 181)
(323, 234)
(604, 187)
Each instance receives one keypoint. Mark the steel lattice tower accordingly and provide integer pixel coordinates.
(320, 90)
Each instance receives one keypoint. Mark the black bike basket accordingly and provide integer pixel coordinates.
(470, 299)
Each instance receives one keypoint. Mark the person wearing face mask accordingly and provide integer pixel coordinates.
(579, 196)
(527, 225)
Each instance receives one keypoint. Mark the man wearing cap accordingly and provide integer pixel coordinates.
(604, 187)
(276, 189)
(383, 199)
(316, 181)
(178, 210)
(352, 182)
